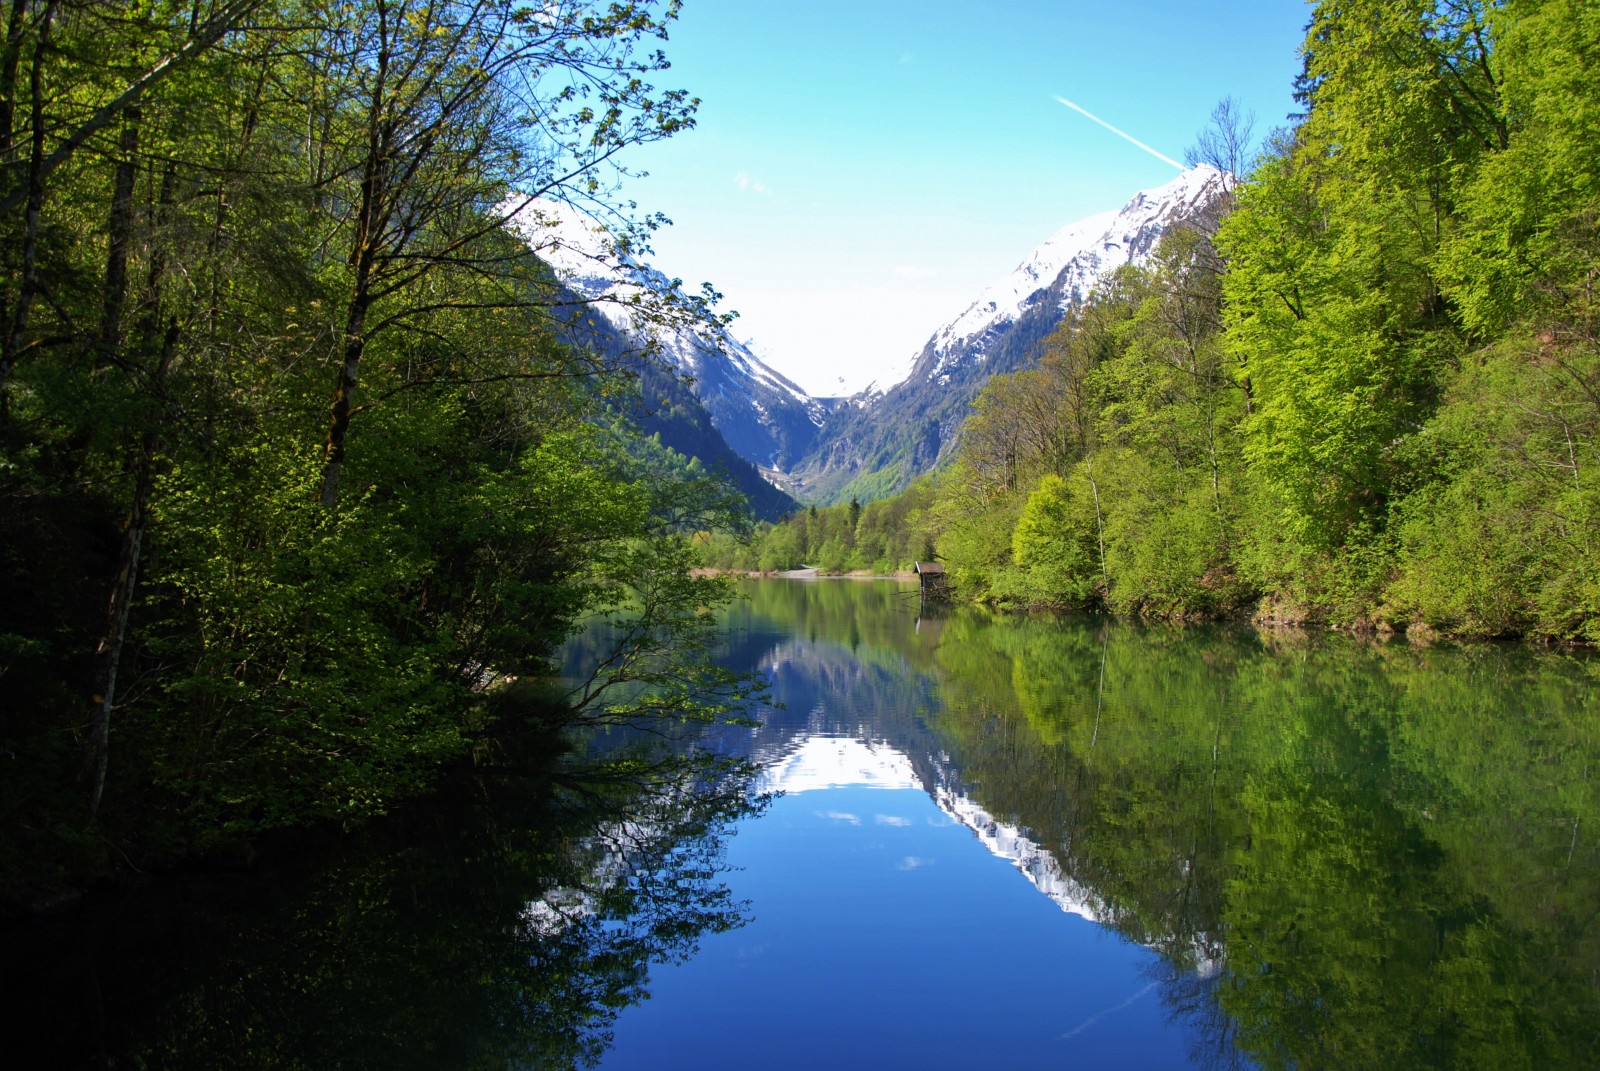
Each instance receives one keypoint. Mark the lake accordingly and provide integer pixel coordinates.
(960, 839)
(1078, 843)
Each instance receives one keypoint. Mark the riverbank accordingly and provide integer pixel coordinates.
(806, 574)
(1268, 615)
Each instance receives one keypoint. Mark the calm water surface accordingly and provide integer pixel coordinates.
(1073, 844)
(963, 840)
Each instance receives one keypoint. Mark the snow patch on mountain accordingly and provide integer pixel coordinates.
(827, 761)
(821, 762)
(885, 436)
(1071, 263)
(588, 258)
(1013, 844)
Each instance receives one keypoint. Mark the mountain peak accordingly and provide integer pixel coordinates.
(889, 434)
(1078, 257)
(762, 415)
(877, 440)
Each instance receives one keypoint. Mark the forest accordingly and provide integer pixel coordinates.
(1363, 392)
(306, 472)
(300, 465)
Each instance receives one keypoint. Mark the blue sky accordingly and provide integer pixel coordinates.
(861, 170)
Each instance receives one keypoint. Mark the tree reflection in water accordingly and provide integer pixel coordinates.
(1349, 854)
(504, 925)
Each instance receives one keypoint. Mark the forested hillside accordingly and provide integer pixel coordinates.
(883, 536)
(292, 465)
(1370, 396)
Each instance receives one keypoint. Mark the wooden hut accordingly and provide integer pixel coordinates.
(931, 577)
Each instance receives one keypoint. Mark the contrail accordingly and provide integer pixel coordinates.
(1121, 134)
(1097, 1016)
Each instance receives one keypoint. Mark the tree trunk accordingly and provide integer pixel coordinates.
(370, 222)
(156, 270)
(10, 60)
(120, 234)
(339, 411)
(12, 339)
(1099, 522)
(108, 655)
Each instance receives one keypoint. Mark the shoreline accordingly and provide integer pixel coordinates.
(802, 574)
(1266, 620)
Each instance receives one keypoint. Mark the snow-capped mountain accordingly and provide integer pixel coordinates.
(885, 437)
(877, 441)
(763, 416)
(1067, 267)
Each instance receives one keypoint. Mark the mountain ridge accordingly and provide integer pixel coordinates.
(884, 437)
(875, 442)
(609, 314)
(763, 416)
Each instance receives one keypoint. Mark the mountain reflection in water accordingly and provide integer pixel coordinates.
(1297, 851)
(1018, 839)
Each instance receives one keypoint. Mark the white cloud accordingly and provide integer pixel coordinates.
(753, 185)
(891, 820)
(914, 272)
(912, 862)
(840, 816)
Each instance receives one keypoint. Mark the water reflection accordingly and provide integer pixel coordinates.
(1291, 851)
(503, 925)
(1348, 854)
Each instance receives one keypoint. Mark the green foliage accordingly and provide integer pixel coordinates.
(974, 535)
(1127, 433)
(1166, 546)
(1377, 850)
(313, 592)
(884, 536)
(1503, 540)
(1363, 390)
(1324, 304)
(1527, 213)
(1056, 544)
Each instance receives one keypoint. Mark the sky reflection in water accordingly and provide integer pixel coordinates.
(1073, 843)
(893, 924)
(1058, 843)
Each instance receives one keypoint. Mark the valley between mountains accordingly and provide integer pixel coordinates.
(739, 416)
(340, 396)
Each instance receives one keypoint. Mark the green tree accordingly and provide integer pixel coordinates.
(303, 621)
(1056, 544)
